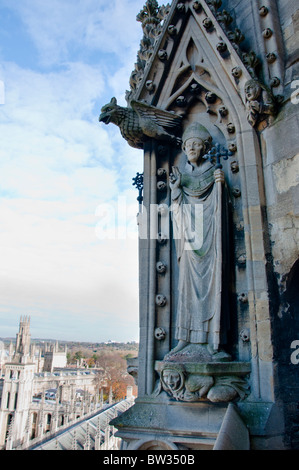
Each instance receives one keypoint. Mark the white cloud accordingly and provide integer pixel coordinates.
(63, 26)
(58, 164)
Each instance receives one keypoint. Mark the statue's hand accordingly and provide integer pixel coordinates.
(174, 178)
(255, 106)
(219, 176)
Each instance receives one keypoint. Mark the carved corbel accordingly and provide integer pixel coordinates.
(186, 386)
(259, 101)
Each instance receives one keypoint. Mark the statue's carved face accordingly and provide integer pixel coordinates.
(172, 379)
(252, 91)
(194, 148)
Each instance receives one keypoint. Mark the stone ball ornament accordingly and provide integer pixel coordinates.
(181, 101)
(232, 147)
(223, 111)
(236, 192)
(245, 335)
(263, 11)
(181, 7)
(197, 6)
(234, 167)
(161, 185)
(271, 57)
(207, 23)
(237, 72)
(221, 47)
(267, 33)
(162, 54)
(162, 238)
(210, 97)
(161, 267)
(242, 260)
(231, 128)
(160, 334)
(161, 300)
(150, 86)
(275, 82)
(172, 30)
(243, 298)
(161, 172)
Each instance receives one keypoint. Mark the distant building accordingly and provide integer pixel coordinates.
(53, 358)
(37, 404)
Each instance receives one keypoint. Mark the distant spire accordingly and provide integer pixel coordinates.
(110, 396)
(23, 341)
(9, 441)
(11, 348)
(97, 442)
(87, 439)
(74, 442)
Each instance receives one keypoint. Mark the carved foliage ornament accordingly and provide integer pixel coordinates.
(151, 17)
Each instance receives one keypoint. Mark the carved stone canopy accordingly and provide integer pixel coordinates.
(163, 29)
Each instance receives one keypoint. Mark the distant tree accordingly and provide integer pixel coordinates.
(129, 356)
(115, 372)
(90, 362)
(78, 355)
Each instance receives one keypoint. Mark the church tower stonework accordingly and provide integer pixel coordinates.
(17, 388)
(213, 104)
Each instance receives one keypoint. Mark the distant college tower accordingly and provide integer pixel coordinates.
(17, 388)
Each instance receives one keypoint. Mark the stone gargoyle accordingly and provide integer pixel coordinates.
(141, 122)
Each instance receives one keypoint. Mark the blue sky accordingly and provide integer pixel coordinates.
(60, 62)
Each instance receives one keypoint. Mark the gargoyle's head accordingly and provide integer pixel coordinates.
(110, 112)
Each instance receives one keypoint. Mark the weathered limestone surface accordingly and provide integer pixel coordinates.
(197, 60)
(233, 434)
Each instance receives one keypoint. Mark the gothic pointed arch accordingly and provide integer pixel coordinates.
(195, 69)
